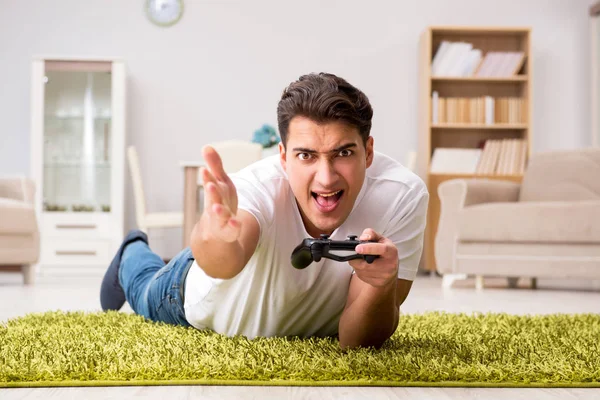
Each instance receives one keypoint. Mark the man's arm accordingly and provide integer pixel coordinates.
(375, 293)
(224, 239)
(371, 314)
(220, 259)
(374, 296)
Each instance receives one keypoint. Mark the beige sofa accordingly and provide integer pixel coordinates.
(547, 226)
(19, 234)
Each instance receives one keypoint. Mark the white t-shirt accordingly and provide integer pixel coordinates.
(269, 297)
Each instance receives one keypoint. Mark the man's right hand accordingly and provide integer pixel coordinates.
(225, 238)
(220, 202)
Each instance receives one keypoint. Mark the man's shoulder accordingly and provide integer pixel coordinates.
(266, 176)
(265, 169)
(386, 172)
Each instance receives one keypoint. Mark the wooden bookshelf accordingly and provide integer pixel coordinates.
(468, 135)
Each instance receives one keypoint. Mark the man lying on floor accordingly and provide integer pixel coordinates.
(236, 277)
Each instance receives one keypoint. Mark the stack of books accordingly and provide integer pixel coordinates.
(503, 157)
(460, 59)
(477, 110)
(498, 157)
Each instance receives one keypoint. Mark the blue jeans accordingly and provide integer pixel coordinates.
(153, 289)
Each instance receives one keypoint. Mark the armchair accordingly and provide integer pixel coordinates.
(19, 234)
(547, 226)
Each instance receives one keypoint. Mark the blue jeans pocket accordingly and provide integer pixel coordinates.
(170, 308)
(168, 294)
(167, 268)
(165, 294)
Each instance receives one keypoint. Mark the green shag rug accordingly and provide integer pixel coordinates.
(433, 349)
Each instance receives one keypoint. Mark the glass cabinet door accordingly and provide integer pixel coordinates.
(595, 67)
(77, 136)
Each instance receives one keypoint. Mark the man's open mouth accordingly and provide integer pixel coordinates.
(327, 202)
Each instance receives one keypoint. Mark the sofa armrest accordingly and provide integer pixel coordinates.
(17, 217)
(17, 188)
(456, 194)
(477, 191)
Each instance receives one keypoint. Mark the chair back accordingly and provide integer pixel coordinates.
(411, 160)
(138, 187)
(237, 154)
(18, 188)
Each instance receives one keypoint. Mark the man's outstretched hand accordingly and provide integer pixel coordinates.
(220, 200)
(225, 238)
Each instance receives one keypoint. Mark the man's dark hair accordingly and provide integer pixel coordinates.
(324, 98)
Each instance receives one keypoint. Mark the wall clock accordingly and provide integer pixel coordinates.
(164, 12)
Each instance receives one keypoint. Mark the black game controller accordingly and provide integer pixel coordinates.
(314, 249)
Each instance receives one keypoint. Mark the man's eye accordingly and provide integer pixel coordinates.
(303, 156)
(345, 153)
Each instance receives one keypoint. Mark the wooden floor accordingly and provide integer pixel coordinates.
(426, 295)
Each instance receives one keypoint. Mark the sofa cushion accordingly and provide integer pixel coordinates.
(17, 188)
(17, 217)
(562, 175)
(529, 259)
(554, 222)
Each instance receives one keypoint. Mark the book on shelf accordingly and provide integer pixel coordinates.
(477, 110)
(454, 160)
(497, 157)
(501, 64)
(460, 59)
(503, 157)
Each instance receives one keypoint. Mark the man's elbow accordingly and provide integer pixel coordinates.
(365, 342)
(373, 344)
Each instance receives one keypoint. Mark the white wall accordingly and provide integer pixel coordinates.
(219, 72)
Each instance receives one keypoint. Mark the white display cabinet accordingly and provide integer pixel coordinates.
(78, 162)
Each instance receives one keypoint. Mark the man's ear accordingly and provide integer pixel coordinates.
(282, 158)
(369, 151)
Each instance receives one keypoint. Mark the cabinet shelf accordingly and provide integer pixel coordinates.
(478, 126)
(75, 117)
(75, 213)
(450, 175)
(76, 164)
(482, 79)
